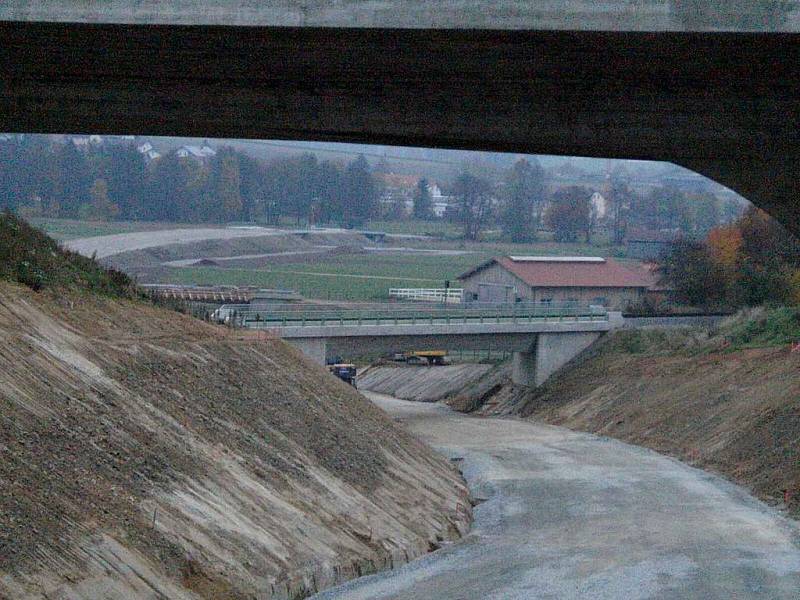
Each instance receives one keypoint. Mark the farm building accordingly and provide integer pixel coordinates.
(649, 244)
(552, 279)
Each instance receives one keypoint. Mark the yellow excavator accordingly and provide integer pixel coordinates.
(434, 357)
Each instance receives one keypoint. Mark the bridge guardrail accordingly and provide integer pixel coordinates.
(261, 318)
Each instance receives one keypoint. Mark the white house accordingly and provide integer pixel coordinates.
(599, 206)
(198, 153)
(148, 151)
(439, 202)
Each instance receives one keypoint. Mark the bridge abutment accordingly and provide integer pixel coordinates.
(548, 354)
(314, 348)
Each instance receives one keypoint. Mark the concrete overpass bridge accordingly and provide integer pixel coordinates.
(542, 338)
(713, 86)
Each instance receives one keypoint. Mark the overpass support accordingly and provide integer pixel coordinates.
(314, 348)
(548, 354)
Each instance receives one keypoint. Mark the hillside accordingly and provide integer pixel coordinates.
(146, 454)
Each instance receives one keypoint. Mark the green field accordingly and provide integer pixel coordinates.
(438, 228)
(369, 276)
(331, 287)
(349, 277)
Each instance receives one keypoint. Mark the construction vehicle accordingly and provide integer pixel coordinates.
(417, 357)
(344, 371)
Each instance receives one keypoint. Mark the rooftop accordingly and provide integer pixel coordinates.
(559, 259)
(569, 271)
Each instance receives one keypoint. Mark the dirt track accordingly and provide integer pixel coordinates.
(575, 516)
(108, 245)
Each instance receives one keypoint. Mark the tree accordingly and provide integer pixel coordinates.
(619, 196)
(101, 207)
(224, 184)
(766, 240)
(359, 192)
(168, 197)
(474, 196)
(423, 204)
(725, 244)
(570, 213)
(331, 193)
(525, 189)
(72, 180)
(124, 172)
(252, 185)
(694, 276)
(750, 262)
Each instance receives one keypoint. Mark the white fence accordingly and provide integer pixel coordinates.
(448, 295)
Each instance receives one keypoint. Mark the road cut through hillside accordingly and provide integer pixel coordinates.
(574, 515)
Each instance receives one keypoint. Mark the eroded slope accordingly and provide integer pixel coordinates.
(146, 454)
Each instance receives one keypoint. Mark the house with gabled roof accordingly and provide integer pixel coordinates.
(556, 279)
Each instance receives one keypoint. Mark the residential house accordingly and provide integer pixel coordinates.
(201, 154)
(149, 153)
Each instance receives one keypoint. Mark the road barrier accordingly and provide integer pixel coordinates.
(279, 316)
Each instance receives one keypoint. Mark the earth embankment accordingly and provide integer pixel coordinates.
(146, 454)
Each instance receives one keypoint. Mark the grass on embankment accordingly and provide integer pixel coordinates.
(28, 256)
(751, 328)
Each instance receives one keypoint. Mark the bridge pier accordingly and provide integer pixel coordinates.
(548, 354)
(314, 348)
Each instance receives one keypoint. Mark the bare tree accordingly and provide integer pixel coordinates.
(475, 203)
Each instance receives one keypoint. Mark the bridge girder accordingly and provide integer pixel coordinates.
(723, 104)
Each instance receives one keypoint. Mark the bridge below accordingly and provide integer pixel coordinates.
(542, 338)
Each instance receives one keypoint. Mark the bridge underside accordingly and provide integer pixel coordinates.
(723, 104)
(536, 356)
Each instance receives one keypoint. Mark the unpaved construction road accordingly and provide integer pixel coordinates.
(575, 516)
(103, 246)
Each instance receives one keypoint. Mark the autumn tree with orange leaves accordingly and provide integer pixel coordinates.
(750, 262)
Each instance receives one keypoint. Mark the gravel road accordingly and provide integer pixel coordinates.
(108, 245)
(574, 516)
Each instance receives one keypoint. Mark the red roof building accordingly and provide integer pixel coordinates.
(556, 279)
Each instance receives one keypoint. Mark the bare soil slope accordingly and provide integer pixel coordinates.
(736, 412)
(146, 454)
(422, 383)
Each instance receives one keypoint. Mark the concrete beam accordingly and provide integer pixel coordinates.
(424, 328)
(378, 345)
(614, 15)
(725, 104)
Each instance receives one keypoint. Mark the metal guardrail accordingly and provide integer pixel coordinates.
(278, 317)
